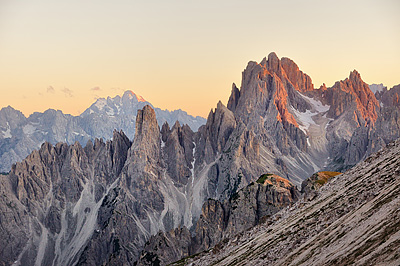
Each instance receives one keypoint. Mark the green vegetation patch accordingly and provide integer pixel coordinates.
(262, 178)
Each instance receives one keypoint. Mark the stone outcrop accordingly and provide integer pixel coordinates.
(311, 185)
(246, 208)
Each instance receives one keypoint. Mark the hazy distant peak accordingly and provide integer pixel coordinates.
(377, 87)
(130, 94)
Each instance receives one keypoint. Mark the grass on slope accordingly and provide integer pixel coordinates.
(324, 176)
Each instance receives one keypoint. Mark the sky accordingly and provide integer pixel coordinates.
(183, 54)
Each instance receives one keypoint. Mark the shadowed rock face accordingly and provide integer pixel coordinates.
(57, 192)
(353, 94)
(178, 150)
(166, 247)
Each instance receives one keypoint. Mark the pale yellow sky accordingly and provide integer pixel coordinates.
(183, 54)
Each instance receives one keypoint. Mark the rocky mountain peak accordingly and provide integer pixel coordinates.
(9, 109)
(273, 64)
(119, 149)
(146, 123)
(219, 126)
(146, 147)
(323, 87)
(130, 95)
(165, 130)
(288, 71)
(353, 92)
(302, 82)
(178, 151)
(389, 98)
(354, 75)
(269, 89)
(234, 98)
(176, 126)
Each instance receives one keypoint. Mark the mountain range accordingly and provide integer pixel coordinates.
(20, 135)
(162, 193)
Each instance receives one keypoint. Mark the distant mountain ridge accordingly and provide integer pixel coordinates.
(20, 135)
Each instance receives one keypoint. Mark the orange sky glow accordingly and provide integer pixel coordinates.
(183, 54)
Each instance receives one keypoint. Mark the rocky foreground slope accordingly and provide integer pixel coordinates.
(354, 219)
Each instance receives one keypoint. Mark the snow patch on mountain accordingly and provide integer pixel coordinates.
(304, 119)
(318, 106)
(7, 133)
(140, 98)
(193, 163)
(100, 103)
(110, 112)
(29, 129)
